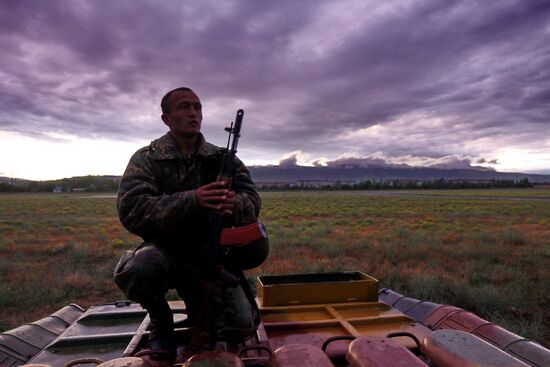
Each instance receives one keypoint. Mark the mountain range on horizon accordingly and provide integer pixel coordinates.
(350, 173)
(383, 173)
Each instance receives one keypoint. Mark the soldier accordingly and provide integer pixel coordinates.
(165, 196)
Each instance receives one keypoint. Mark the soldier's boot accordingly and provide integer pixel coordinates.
(162, 345)
(161, 328)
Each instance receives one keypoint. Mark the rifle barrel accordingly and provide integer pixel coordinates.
(236, 131)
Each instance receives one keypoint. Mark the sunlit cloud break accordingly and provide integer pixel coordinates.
(380, 159)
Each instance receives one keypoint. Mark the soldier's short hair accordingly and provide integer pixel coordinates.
(164, 105)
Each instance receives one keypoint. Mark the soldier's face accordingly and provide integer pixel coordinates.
(185, 114)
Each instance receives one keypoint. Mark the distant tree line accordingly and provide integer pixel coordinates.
(443, 184)
(7, 187)
(406, 185)
(73, 184)
(110, 184)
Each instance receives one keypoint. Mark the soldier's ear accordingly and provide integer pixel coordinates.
(166, 119)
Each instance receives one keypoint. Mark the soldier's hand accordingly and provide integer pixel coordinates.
(228, 204)
(214, 196)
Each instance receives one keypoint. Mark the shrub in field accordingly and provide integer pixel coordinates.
(54, 248)
(431, 286)
(531, 327)
(79, 281)
(510, 236)
(123, 245)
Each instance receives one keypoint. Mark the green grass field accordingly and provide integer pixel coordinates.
(487, 251)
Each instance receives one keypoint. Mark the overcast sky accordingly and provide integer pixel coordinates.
(423, 82)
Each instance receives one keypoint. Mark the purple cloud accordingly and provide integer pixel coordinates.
(421, 79)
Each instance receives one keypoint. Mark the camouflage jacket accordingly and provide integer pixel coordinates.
(156, 198)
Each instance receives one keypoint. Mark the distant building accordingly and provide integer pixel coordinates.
(324, 183)
(402, 182)
(273, 184)
(469, 180)
(58, 189)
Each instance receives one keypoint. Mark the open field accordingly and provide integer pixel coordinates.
(487, 251)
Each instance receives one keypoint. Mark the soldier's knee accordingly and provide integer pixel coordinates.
(143, 274)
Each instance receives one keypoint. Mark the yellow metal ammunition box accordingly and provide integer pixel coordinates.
(300, 289)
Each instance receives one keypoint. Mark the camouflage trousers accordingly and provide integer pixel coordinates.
(146, 274)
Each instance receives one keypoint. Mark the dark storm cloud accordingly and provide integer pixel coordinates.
(440, 79)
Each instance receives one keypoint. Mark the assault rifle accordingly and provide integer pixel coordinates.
(204, 334)
(243, 248)
(247, 245)
(217, 219)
